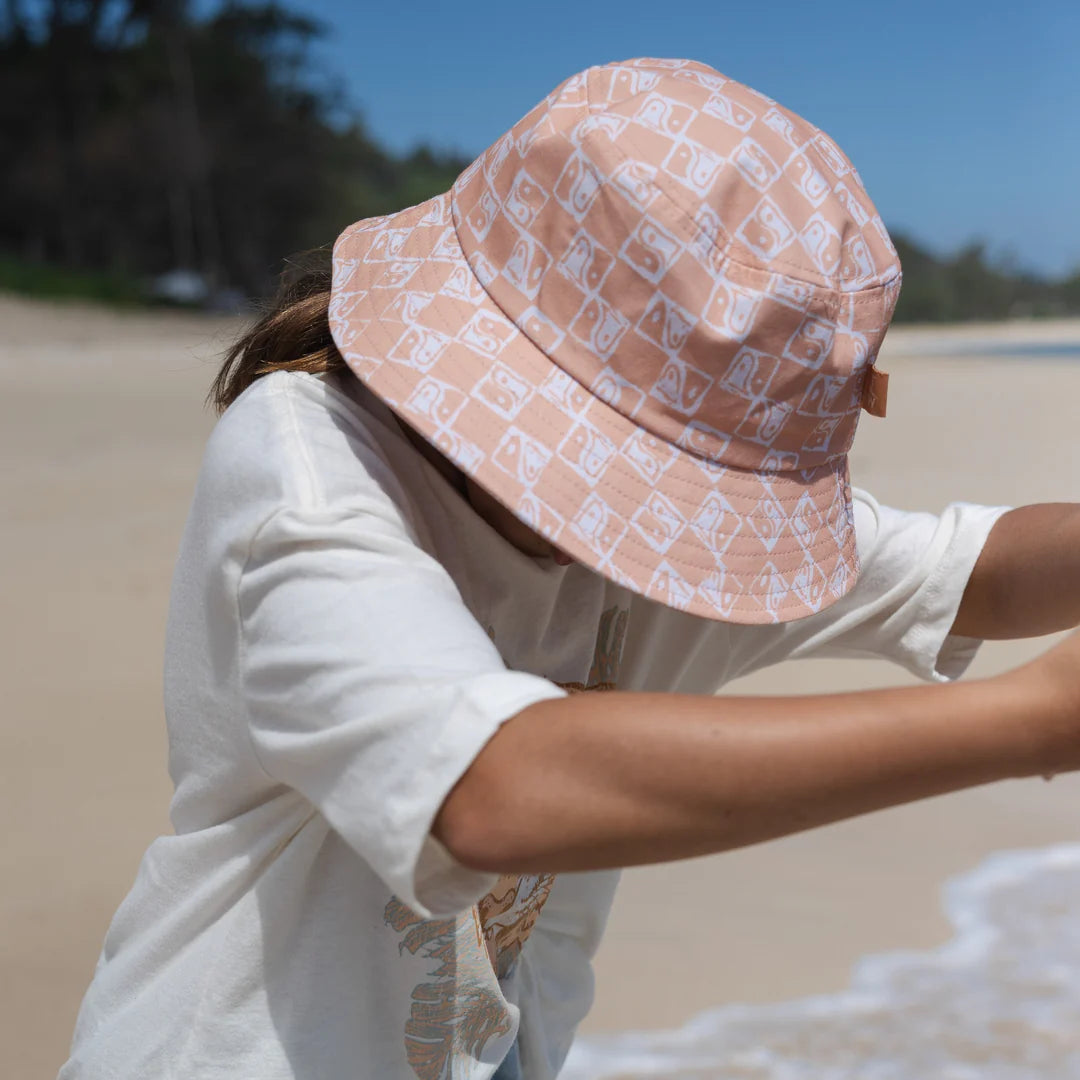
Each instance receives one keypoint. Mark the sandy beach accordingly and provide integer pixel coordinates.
(101, 430)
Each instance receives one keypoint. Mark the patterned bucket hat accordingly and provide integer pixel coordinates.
(645, 320)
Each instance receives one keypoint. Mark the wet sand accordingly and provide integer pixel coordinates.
(102, 427)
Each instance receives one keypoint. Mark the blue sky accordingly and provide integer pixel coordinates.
(963, 117)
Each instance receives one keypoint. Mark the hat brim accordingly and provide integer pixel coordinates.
(414, 323)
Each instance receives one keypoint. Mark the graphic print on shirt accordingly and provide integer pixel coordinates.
(507, 915)
(610, 637)
(456, 1014)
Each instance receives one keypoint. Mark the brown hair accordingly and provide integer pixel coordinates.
(292, 334)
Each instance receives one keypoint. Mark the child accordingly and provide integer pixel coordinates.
(548, 449)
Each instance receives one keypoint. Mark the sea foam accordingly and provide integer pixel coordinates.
(1000, 1001)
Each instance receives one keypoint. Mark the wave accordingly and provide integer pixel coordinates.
(999, 1001)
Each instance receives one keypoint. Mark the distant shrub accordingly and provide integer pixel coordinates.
(59, 283)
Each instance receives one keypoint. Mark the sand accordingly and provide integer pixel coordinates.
(101, 430)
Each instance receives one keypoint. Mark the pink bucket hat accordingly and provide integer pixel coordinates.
(645, 320)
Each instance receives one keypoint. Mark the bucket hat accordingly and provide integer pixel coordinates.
(645, 320)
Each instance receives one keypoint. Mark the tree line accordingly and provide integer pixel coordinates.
(137, 139)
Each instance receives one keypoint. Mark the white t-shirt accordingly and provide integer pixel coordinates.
(345, 634)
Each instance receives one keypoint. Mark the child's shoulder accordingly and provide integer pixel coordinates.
(286, 404)
(291, 438)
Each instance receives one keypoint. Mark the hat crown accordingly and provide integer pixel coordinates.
(702, 259)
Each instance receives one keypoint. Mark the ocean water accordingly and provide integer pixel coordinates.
(999, 1001)
(994, 348)
(1062, 350)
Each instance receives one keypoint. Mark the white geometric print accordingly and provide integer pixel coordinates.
(731, 310)
(716, 523)
(586, 263)
(503, 391)
(811, 343)
(807, 180)
(755, 164)
(659, 522)
(521, 457)
(437, 401)
(623, 396)
(668, 324)
(766, 232)
(587, 451)
(600, 326)
(649, 455)
(650, 250)
(599, 526)
(576, 187)
(637, 181)
(723, 108)
(822, 244)
(682, 387)
(693, 165)
(419, 347)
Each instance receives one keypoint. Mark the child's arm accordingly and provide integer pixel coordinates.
(619, 779)
(1027, 579)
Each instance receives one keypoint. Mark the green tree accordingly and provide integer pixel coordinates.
(137, 139)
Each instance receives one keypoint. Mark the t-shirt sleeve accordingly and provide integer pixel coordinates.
(371, 688)
(914, 569)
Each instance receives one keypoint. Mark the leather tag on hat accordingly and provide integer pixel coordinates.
(875, 392)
